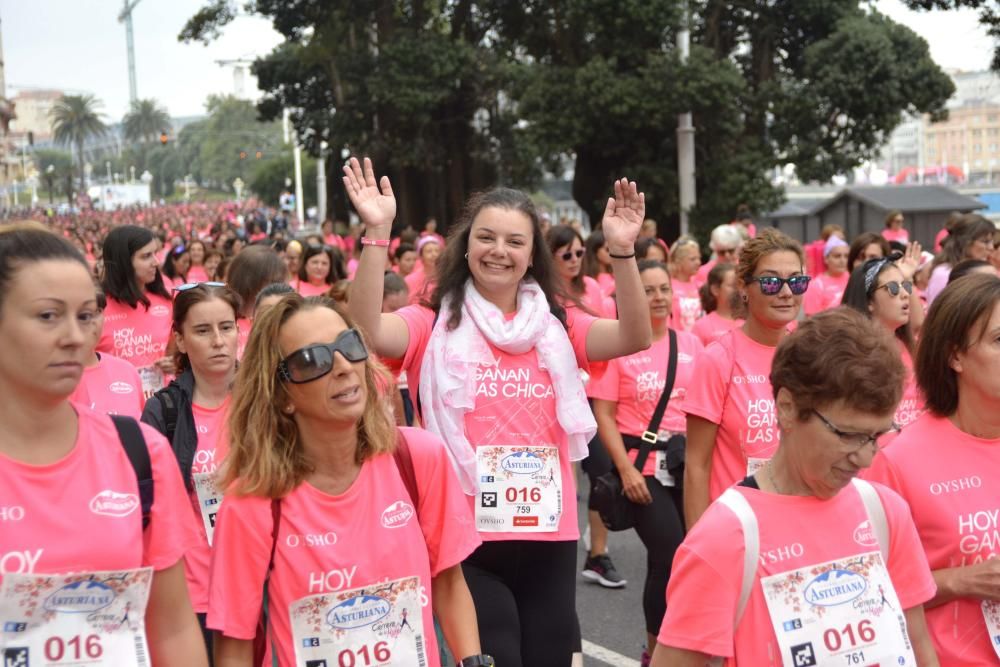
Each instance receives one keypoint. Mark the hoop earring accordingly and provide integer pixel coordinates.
(467, 255)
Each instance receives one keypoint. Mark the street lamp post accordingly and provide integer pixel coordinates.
(50, 174)
(132, 171)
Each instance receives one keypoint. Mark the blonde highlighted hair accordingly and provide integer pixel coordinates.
(768, 241)
(266, 456)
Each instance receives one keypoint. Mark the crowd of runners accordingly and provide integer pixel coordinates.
(226, 441)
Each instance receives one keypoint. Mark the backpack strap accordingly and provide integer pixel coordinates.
(739, 506)
(876, 515)
(135, 448)
(169, 415)
(404, 462)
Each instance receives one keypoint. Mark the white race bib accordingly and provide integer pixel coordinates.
(991, 612)
(85, 620)
(520, 489)
(754, 464)
(152, 381)
(376, 625)
(838, 614)
(209, 500)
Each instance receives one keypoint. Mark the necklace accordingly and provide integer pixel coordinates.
(770, 476)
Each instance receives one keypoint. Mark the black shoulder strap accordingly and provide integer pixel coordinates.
(404, 461)
(652, 431)
(169, 414)
(138, 455)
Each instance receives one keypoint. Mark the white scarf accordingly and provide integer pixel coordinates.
(448, 376)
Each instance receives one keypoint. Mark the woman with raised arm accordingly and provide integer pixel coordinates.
(496, 360)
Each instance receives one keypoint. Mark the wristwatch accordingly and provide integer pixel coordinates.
(478, 661)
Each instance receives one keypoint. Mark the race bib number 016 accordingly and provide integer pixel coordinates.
(84, 620)
(840, 613)
(520, 489)
(364, 627)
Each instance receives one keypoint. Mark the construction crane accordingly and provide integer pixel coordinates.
(239, 74)
(126, 18)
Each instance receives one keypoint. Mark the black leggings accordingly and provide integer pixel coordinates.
(660, 526)
(597, 463)
(525, 597)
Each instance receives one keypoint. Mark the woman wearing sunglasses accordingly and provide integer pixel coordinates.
(801, 563)
(946, 463)
(89, 568)
(191, 412)
(882, 289)
(685, 259)
(496, 360)
(731, 427)
(325, 518)
(137, 319)
(566, 246)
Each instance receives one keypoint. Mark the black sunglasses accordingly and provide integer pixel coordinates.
(893, 287)
(189, 286)
(771, 285)
(313, 362)
(568, 255)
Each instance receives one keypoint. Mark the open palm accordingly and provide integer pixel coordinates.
(374, 201)
(623, 216)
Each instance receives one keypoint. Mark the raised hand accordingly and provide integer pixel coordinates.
(910, 260)
(623, 217)
(374, 202)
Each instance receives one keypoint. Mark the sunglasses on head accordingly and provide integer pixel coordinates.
(771, 285)
(893, 287)
(188, 286)
(313, 362)
(568, 255)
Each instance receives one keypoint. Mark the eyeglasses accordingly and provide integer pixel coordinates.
(569, 254)
(893, 287)
(771, 285)
(313, 362)
(189, 286)
(855, 441)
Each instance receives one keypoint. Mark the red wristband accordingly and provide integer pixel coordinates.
(381, 243)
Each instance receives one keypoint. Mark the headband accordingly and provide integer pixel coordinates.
(424, 240)
(833, 242)
(871, 274)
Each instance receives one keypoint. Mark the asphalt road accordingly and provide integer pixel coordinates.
(612, 618)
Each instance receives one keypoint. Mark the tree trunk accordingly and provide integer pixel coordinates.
(83, 175)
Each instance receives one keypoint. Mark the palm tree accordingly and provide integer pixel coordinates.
(145, 121)
(75, 118)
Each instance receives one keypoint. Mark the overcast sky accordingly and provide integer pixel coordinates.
(79, 46)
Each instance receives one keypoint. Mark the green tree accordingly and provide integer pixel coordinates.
(145, 121)
(75, 119)
(226, 144)
(56, 171)
(269, 176)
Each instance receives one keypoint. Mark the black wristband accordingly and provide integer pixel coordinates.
(614, 256)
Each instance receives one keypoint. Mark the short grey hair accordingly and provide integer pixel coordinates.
(725, 236)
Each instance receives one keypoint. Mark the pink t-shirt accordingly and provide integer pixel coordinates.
(139, 336)
(607, 283)
(636, 383)
(712, 326)
(418, 284)
(334, 543)
(701, 276)
(795, 532)
(111, 387)
(197, 274)
(686, 308)
(595, 299)
(243, 327)
(912, 404)
(515, 405)
(952, 492)
(306, 288)
(825, 291)
(732, 388)
(938, 281)
(213, 444)
(82, 513)
(899, 235)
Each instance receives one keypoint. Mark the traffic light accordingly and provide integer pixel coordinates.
(163, 137)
